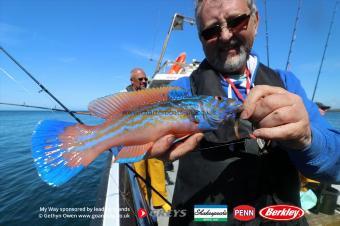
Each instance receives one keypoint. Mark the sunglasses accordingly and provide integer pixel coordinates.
(234, 25)
(141, 79)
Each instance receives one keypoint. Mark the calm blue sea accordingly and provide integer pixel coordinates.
(22, 193)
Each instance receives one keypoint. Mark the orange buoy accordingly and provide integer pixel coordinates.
(177, 66)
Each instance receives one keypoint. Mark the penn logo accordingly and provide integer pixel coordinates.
(281, 213)
(244, 213)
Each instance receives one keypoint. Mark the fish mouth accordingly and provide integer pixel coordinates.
(239, 108)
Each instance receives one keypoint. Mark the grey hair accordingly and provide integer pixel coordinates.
(198, 6)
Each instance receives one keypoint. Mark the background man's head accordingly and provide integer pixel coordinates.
(322, 108)
(138, 79)
(227, 30)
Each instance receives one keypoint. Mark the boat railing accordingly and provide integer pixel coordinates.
(128, 202)
(139, 200)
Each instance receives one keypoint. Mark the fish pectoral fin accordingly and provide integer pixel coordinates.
(194, 116)
(133, 153)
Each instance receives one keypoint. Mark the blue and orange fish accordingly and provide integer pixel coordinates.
(133, 122)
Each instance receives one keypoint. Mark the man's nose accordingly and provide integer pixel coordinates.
(225, 34)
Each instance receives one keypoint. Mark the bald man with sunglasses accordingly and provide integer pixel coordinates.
(282, 131)
(138, 79)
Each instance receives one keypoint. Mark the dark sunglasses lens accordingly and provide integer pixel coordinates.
(141, 79)
(211, 33)
(238, 22)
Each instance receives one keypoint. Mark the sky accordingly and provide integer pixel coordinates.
(84, 49)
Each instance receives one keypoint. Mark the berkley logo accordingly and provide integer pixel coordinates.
(244, 213)
(281, 212)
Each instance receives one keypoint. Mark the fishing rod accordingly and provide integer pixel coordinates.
(41, 85)
(44, 108)
(325, 49)
(78, 120)
(293, 34)
(267, 34)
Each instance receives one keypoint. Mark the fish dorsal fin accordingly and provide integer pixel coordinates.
(116, 104)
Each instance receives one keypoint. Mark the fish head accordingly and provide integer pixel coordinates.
(216, 110)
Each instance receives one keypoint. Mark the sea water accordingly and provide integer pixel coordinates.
(25, 199)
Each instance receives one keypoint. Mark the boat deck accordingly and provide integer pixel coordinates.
(313, 219)
(323, 219)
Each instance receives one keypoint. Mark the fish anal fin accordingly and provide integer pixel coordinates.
(125, 102)
(133, 153)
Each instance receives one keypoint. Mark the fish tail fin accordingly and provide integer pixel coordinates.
(51, 140)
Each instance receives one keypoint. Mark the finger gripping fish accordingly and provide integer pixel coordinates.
(133, 122)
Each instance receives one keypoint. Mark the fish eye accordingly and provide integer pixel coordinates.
(218, 98)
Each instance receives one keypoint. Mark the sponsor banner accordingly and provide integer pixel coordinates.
(244, 213)
(203, 213)
(281, 212)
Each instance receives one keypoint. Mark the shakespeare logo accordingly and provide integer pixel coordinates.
(203, 213)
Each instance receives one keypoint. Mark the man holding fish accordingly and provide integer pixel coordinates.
(229, 152)
(276, 104)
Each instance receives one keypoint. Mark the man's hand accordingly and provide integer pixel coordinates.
(278, 115)
(166, 150)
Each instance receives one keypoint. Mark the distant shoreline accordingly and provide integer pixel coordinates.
(76, 112)
(41, 110)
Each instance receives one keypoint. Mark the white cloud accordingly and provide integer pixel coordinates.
(139, 52)
(151, 56)
(9, 28)
(67, 59)
(11, 34)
